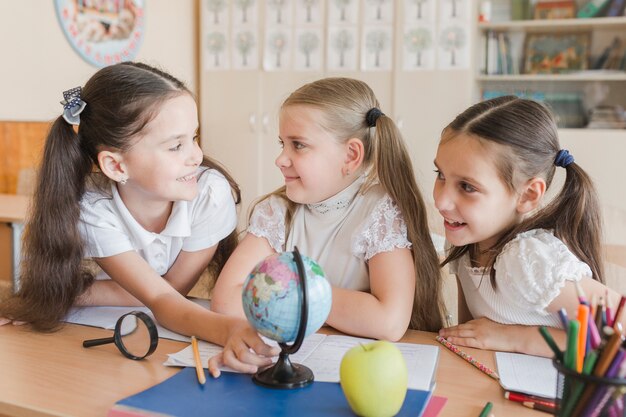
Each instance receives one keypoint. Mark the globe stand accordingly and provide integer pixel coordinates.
(284, 374)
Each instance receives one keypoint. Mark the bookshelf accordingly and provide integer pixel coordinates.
(508, 60)
(607, 23)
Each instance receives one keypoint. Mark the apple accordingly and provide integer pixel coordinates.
(374, 379)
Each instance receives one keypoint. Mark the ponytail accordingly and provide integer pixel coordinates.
(574, 216)
(578, 220)
(52, 273)
(391, 163)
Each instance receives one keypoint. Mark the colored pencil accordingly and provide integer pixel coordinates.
(609, 309)
(583, 317)
(594, 334)
(615, 318)
(486, 410)
(518, 397)
(539, 407)
(602, 365)
(453, 348)
(551, 343)
(196, 357)
(594, 305)
(571, 352)
(563, 317)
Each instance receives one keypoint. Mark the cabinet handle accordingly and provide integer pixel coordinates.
(265, 120)
(252, 122)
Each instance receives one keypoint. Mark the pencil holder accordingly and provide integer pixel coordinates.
(581, 395)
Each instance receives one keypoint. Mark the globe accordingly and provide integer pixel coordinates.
(272, 297)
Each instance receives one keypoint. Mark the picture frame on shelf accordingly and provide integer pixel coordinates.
(556, 53)
(555, 10)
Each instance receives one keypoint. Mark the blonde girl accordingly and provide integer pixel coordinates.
(350, 201)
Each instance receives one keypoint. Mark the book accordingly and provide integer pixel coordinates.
(607, 117)
(616, 8)
(593, 8)
(323, 354)
(234, 394)
(528, 374)
(491, 47)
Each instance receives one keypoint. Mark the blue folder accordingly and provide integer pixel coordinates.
(234, 394)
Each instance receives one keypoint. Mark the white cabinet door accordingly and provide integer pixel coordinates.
(231, 126)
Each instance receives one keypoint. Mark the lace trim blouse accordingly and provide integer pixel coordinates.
(530, 273)
(341, 233)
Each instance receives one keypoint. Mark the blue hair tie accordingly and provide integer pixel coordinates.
(563, 158)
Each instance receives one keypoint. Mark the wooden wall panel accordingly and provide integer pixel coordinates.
(21, 146)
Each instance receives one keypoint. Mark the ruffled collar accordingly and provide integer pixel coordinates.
(339, 201)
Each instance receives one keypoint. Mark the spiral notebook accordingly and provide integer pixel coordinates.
(235, 395)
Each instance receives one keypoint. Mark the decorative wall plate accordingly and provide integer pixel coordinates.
(103, 32)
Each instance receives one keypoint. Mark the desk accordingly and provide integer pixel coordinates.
(13, 209)
(53, 375)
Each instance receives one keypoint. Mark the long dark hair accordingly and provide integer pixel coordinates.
(345, 103)
(529, 131)
(121, 99)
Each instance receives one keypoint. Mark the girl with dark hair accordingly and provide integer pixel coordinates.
(494, 164)
(350, 202)
(124, 182)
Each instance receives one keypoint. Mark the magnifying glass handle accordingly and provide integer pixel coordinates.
(98, 342)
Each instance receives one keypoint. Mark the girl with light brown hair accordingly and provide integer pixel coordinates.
(350, 202)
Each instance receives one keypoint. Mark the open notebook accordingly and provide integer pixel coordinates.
(322, 354)
(527, 374)
(319, 352)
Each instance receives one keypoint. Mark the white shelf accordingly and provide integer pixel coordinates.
(582, 77)
(592, 134)
(552, 25)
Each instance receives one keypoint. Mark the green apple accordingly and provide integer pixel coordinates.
(374, 379)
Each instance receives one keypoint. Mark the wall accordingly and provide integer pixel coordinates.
(38, 63)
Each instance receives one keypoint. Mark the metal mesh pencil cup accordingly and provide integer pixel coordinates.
(581, 395)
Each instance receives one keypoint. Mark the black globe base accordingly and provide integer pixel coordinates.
(284, 375)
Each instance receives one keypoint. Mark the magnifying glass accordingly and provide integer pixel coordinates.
(135, 335)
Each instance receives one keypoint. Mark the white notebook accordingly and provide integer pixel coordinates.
(528, 374)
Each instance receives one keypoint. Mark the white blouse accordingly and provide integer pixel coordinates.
(530, 273)
(108, 228)
(341, 233)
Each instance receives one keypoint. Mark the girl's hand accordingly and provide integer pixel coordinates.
(482, 334)
(244, 351)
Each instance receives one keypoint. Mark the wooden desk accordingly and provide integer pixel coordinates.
(13, 210)
(53, 375)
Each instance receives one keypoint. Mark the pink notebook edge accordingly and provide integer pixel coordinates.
(433, 408)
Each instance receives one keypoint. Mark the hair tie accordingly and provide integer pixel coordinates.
(563, 158)
(372, 116)
(73, 105)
